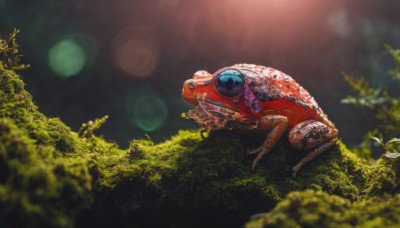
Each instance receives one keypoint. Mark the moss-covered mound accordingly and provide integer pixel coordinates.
(319, 209)
(52, 176)
(189, 175)
(38, 185)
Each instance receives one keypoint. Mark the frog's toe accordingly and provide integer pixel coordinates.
(294, 171)
(255, 151)
(254, 165)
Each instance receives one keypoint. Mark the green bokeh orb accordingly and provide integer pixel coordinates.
(67, 58)
(149, 113)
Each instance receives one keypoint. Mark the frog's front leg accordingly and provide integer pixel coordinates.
(311, 134)
(276, 125)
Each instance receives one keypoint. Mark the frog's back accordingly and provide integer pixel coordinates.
(269, 84)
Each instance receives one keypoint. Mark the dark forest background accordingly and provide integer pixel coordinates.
(129, 58)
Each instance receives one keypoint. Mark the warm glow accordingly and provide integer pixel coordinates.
(135, 52)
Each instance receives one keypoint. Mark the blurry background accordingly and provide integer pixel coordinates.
(129, 58)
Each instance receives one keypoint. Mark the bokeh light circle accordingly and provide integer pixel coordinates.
(136, 50)
(67, 58)
(340, 23)
(148, 113)
(137, 57)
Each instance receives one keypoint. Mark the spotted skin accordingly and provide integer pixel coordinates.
(270, 102)
(269, 84)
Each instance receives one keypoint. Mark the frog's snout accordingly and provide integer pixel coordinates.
(196, 85)
(188, 92)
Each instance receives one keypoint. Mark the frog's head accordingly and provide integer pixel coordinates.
(224, 87)
(217, 97)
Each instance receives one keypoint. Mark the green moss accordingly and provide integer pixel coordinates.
(36, 186)
(319, 209)
(383, 177)
(188, 174)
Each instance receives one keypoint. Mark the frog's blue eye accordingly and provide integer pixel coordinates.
(230, 82)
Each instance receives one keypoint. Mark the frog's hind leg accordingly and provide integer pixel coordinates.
(312, 154)
(311, 134)
(277, 125)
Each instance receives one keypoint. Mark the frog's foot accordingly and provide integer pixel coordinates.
(277, 125)
(312, 154)
(252, 152)
(311, 134)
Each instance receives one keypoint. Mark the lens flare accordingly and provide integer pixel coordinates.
(67, 58)
(340, 23)
(147, 110)
(136, 51)
(137, 58)
(149, 113)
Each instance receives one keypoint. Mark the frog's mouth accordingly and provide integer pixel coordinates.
(211, 114)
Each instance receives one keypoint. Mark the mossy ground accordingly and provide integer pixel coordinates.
(50, 176)
(319, 209)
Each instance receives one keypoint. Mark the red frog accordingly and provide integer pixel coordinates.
(248, 97)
